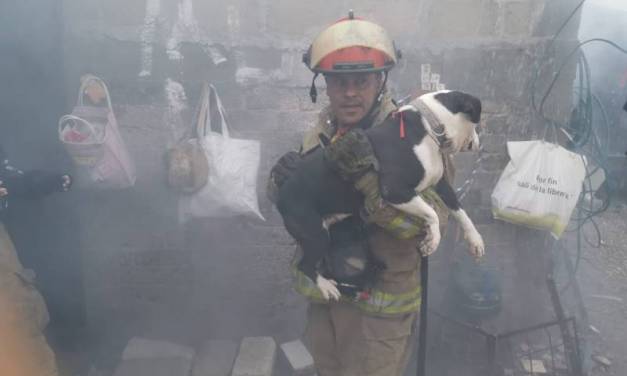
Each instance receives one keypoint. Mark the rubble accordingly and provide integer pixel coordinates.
(299, 359)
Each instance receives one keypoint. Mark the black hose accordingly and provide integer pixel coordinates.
(422, 335)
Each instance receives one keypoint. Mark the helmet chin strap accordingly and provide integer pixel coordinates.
(313, 93)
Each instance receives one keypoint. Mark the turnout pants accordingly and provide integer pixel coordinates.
(345, 341)
(24, 350)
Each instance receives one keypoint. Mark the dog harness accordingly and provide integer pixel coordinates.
(435, 127)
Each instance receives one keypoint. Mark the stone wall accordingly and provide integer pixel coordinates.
(229, 278)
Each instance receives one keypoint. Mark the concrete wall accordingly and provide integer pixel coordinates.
(230, 278)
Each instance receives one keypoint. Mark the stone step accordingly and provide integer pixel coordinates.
(256, 357)
(154, 367)
(215, 358)
(298, 358)
(142, 348)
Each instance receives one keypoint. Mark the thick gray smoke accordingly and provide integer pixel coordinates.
(117, 264)
(608, 67)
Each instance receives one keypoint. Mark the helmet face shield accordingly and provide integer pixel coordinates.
(351, 46)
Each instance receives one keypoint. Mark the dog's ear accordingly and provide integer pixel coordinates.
(457, 101)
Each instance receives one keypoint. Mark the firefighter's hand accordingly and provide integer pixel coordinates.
(3, 190)
(328, 287)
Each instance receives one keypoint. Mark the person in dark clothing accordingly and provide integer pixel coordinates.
(24, 350)
(31, 184)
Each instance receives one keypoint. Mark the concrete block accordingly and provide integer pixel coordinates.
(401, 20)
(154, 367)
(258, 99)
(141, 348)
(492, 107)
(509, 72)
(215, 358)
(256, 357)
(212, 17)
(123, 12)
(496, 124)
(489, 19)
(475, 75)
(518, 17)
(494, 162)
(265, 122)
(262, 58)
(300, 19)
(494, 143)
(297, 121)
(473, 198)
(111, 60)
(454, 19)
(485, 180)
(298, 358)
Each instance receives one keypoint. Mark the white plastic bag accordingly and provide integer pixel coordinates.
(231, 188)
(540, 186)
(91, 136)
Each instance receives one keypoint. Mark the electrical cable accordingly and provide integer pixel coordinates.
(583, 132)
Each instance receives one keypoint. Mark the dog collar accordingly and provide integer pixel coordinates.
(435, 128)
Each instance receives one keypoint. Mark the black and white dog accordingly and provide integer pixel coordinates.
(409, 147)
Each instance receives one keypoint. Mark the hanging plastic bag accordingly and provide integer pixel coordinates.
(540, 186)
(91, 136)
(231, 187)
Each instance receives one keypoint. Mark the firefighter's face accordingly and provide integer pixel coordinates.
(352, 94)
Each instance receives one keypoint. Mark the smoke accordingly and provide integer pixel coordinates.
(608, 66)
(141, 275)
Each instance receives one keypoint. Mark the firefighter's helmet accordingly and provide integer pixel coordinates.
(351, 45)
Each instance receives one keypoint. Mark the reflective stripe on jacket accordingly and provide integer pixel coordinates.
(375, 302)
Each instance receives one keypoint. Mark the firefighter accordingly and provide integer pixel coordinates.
(373, 334)
(24, 350)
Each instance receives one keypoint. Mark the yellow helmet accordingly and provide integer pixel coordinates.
(352, 45)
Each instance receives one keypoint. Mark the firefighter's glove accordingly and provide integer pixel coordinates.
(284, 167)
(351, 155)
(377, 211)
(281, 171)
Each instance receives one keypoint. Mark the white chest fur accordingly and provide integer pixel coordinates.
(429, 155)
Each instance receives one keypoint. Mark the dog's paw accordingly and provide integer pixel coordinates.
(476, 244)
(328, 288)
(431, 241)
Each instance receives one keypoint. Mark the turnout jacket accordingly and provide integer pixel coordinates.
(394, 239)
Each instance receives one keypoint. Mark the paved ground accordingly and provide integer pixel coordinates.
(602, 279)
(602, 276)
